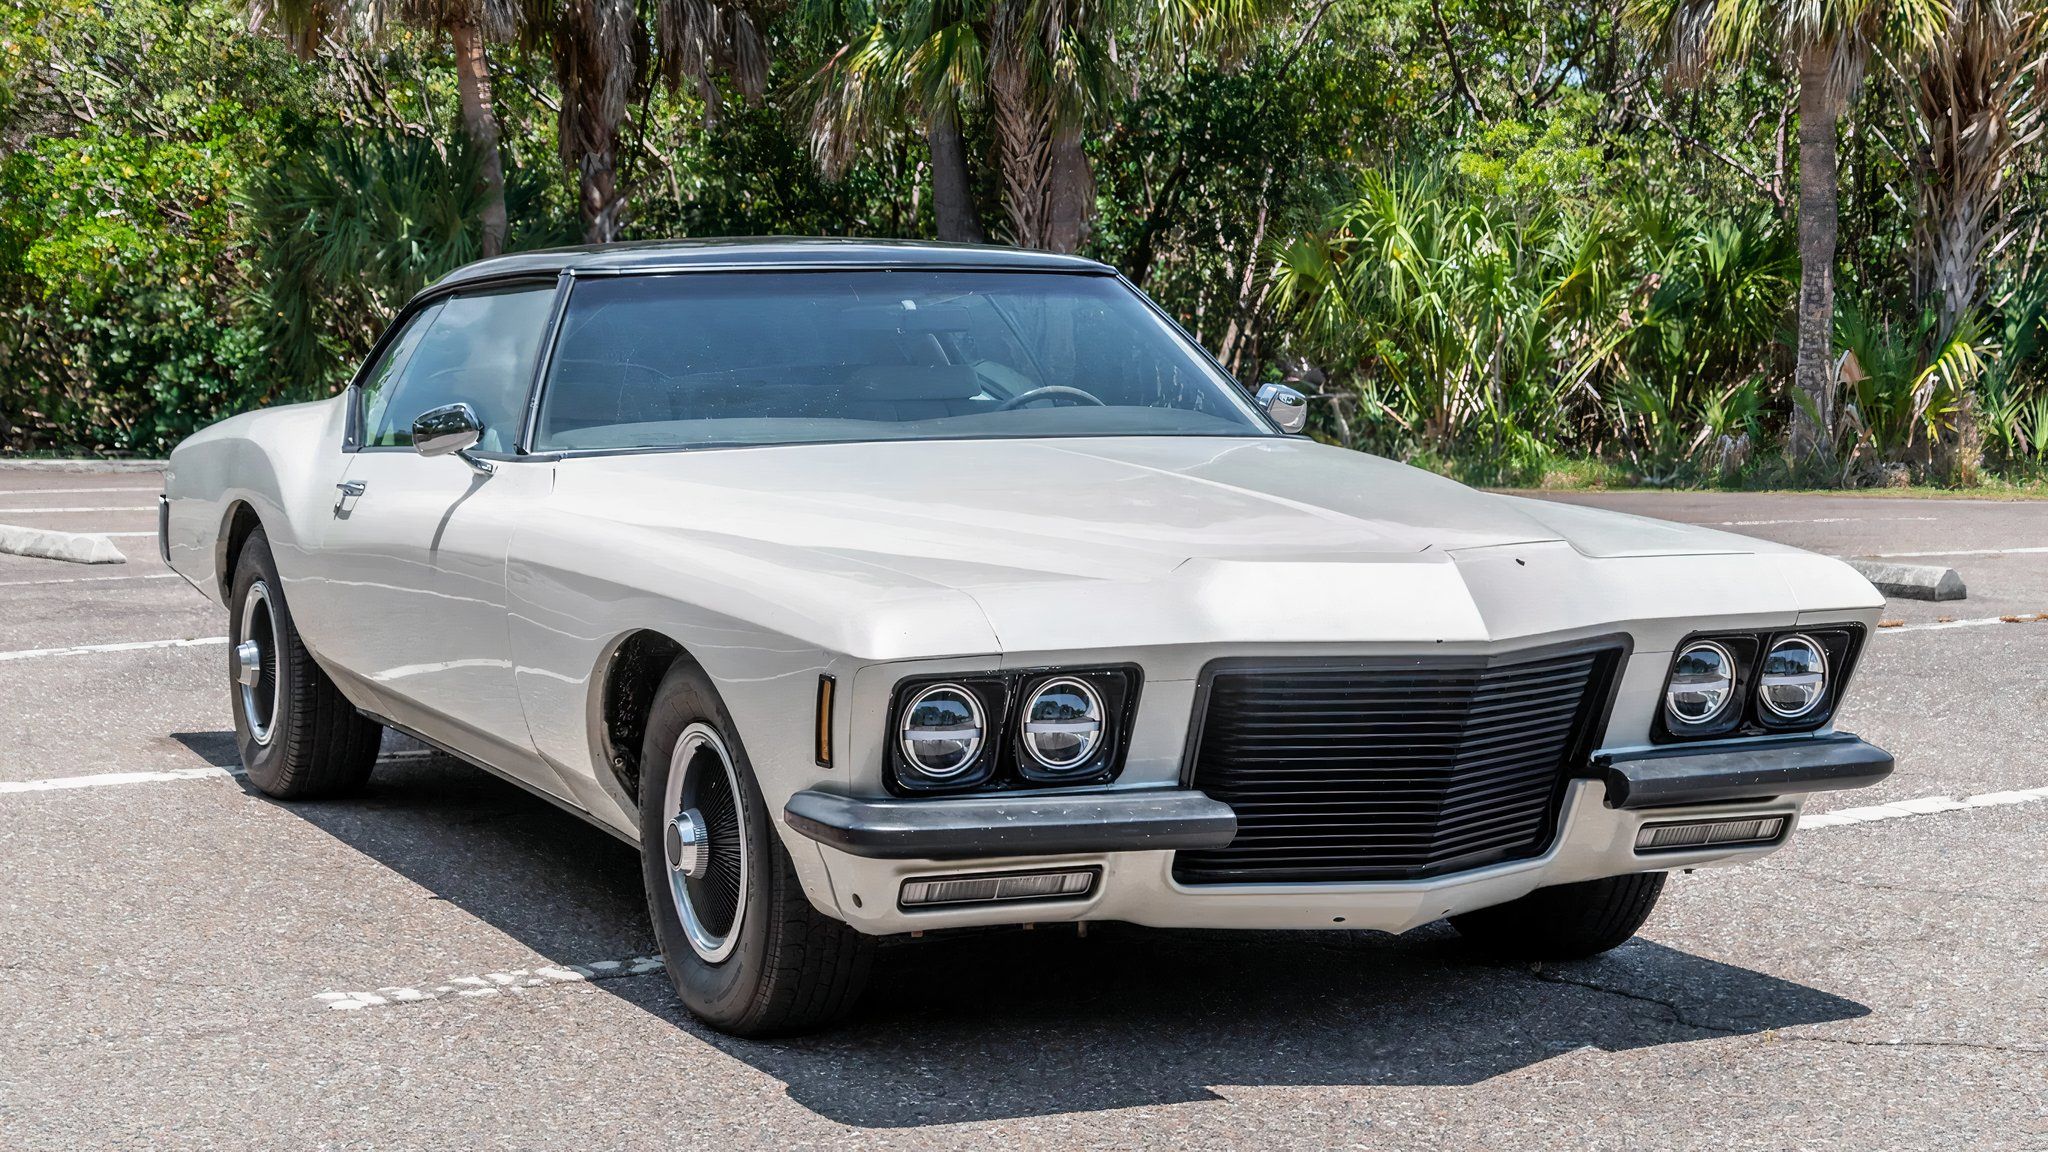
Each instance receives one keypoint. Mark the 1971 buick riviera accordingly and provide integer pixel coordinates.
(871, 588)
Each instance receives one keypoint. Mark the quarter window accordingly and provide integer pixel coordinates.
(477, 349)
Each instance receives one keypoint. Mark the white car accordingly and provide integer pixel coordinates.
(878, 588)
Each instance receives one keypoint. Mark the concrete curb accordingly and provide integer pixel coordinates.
(76, 547)
(25, 464)
(1912, 581)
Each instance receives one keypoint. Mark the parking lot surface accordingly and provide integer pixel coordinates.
(446, 961)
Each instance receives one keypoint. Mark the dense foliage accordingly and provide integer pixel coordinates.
(1492, 237)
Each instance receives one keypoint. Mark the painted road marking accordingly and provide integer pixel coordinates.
(518, 980)
(88, 579)
(130, 646)
(1816, 520)
(1960, 552)
(111, 779)
(104, 779)
(205, 773)
(157, 488)
(514, 981)
(1922, 806)
(1976, 622)
(94, 508)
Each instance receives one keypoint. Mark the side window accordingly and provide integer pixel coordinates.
(478, 349)
(377, 385)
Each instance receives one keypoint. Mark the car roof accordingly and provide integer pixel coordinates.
(765, 252)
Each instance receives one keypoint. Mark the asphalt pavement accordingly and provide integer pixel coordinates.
(446, 961)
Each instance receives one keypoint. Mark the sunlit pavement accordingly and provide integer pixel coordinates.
(447, 962)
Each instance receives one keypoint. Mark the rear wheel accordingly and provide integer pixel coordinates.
(299, 736)
(1565, 922)
(745, 949)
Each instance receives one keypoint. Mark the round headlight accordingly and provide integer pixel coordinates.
(1794, 678)
(1063, 723)
(942, 731)
(1702, 684)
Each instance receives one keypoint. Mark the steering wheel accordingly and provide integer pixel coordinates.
(1048, 392)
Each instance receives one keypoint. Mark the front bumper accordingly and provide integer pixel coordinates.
(869, 848)
(1679, 774)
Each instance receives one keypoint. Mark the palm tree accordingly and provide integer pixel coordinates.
(1044, 71)
(924, 71)
(1977, 92)
(1827, 44)
(467, 24)
(603, 55)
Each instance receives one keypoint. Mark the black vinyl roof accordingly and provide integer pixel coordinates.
(766, 252)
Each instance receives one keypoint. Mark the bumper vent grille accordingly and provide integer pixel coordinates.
(1391, 769)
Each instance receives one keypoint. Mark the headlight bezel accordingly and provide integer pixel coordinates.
(1729, 712)
(1748, 715)
(1003, 761)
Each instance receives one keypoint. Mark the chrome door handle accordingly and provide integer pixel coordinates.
(352, 487)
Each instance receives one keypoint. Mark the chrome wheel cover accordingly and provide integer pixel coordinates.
(256, 657)
(704, 842)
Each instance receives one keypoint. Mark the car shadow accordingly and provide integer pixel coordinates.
(1023, 1023)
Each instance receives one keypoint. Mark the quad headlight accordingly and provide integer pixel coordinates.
(943, 731)
(1701, 686)
(1063, 724)
(1756, 683)
(1022, 728)
(1794, 679)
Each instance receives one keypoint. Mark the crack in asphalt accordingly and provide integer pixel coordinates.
(1679, 1017)
(1877, 887)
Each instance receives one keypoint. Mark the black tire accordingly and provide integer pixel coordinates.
(315, 743)
(1566, 922)
(790, 968)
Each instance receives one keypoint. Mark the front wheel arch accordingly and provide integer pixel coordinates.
(631, 672)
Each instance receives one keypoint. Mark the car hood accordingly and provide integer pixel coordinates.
(1174, 539)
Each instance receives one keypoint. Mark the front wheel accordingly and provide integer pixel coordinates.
(299, 737)
(745, 949)
(1564, 922)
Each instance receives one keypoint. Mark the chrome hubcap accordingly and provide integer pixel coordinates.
(256, 664)
(684, 845)
(704, 842)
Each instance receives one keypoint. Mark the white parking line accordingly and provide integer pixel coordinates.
(495, 983)
(129, 646)
(519, 980)
(112, 779)
(1975, 622)
(1816, 520)
(88, 579)
(1960, 552)
(91, 508)
(1920, 806)
(74, 491)
(104, 779)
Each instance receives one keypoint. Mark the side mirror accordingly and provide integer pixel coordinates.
(1287, 407)
(451, 429)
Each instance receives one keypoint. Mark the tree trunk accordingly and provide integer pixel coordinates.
(480, 124)
(594, 73)
(1811, 433)
(952, 187)
(1048, 189)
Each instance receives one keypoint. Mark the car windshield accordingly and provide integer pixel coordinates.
(730, 358)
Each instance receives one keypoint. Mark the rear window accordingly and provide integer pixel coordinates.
(713, 359)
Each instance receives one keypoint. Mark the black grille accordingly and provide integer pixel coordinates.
(1388, 770)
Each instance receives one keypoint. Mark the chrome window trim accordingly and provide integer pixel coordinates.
(352, 422)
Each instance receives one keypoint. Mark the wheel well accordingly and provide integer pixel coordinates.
(241, 521)
(630, 680)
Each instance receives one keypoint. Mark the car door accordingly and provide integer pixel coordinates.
(415, 552)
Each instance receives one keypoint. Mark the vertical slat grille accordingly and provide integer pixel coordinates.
(1390, 771)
